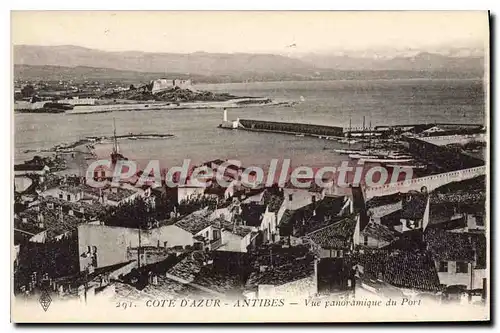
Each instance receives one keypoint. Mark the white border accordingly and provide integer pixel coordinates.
(5, 88)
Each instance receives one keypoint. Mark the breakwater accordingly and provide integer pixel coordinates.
(290, 128)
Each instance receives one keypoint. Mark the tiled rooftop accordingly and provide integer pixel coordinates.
(283, 265)
(466, 192)
(118, 193)
(379, 231)
(412, 269)
(335, 235)
(239, 230)
(52, 220)
(195, 222)
(223, 275)
(311, 217)
(384, 200)
(414, 204)
(449, 246)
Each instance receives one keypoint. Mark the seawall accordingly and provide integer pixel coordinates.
(290, 128)
(430, 182)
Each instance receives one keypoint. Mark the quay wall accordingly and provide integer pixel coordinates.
(290, 128)
(430, 182)
(454, 139)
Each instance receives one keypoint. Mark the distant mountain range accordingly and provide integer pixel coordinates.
(423, 61)
(221, 67)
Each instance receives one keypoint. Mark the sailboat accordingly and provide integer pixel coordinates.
(302, 99)
(115, 154)
(348, 140)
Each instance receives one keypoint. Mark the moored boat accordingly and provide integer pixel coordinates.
(362, 156)
(408, 166)
(399, 156)
(350, 151)
(383, 160)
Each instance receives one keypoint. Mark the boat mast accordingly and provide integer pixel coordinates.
(349, 133)
(115, 142)
(370, 133)
(363, 126)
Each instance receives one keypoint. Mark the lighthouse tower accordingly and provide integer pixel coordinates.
(225, 114)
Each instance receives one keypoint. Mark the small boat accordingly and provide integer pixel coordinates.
(398, 156)
(362, 156)
(352, 141)
(349, 151)
(302, 99)
(403, 166)
(383, 160)
(299, 135)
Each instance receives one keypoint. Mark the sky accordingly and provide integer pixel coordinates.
(254, 32)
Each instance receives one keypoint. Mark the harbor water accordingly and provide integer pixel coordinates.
(196, 136)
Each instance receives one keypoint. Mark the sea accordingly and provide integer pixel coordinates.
(196, 135)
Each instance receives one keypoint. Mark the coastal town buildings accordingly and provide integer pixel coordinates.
(160, 85)
(250, 242)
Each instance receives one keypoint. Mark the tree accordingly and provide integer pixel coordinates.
(28, 91)
(133, 214)
(132, 87)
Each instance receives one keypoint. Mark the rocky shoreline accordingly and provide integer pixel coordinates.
(92, 140)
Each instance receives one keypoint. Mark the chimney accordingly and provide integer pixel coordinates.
(40, 220)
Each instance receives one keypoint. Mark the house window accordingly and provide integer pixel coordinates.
(462, 267)
(60, 195)
(443, 266)
(365, 240)
(68, 197)
(334, 253)
(480, 220)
